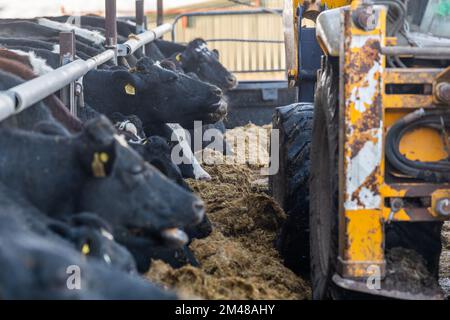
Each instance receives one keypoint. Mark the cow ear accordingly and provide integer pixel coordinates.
(102, 162)
(128, 83)
(216, 53)
(97, 152)
(98, 161)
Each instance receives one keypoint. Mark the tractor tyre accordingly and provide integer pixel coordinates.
(290, 186)
(323, 210)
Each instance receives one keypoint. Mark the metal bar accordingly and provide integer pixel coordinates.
(218, 13)
(428, 53)
(66, 56)
(27, 94)
(159, 13)
(111, 26)
(129, 47)
(140, 21)
(140, 16)
(245, 40)
(268, 10)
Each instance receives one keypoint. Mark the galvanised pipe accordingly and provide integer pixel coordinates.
(129, 47)
(419, 52)
(28, 93)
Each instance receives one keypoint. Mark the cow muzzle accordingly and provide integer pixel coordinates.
(174, 237)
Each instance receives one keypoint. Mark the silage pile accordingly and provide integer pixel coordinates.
(238, 260)
(445, 259)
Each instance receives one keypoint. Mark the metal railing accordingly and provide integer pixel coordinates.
(237, 40)
(27, 94)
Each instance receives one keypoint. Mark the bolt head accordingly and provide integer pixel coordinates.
(443, 207)
(365, 17)
(397, 204)
(443, 92)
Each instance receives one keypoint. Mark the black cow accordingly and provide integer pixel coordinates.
(156, 95)
(106, 177)
(197, 58)
(157, 151)
(34, 267)
(85, 232)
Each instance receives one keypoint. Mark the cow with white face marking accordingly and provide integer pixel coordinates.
(197, 58)
(154, 94)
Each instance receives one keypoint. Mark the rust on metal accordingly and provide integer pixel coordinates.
(361, 237)
(441, 87)
(362, 96)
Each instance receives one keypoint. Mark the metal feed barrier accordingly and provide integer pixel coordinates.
(66, 77)
(220, 13)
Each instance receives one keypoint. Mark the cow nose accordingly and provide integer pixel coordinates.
(199, 211)
(232, 80)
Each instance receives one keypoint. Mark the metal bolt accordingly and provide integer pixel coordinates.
(443, 207)
(443, 92)
(396, 205)
(366, 18)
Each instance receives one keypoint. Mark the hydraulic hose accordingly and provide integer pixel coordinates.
(438, 171)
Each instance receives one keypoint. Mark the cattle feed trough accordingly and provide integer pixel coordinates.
(21, 97)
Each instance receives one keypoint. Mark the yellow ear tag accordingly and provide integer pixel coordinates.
(98, 168)
(104, 157)
(130, 90)
(178, 57)
(85, 249)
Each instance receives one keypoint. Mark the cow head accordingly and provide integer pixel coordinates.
(197, 58)
(93, 237)
(157, 94)
(130, 194)
(34, 267)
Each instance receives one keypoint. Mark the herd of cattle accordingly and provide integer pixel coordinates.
(99, 193)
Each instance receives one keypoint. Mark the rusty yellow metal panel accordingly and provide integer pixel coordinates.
(367, 111)
(409, 76)
(363, 244)
(362, 67)
(423, 144)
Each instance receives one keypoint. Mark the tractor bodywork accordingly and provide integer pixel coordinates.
(384, 78)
